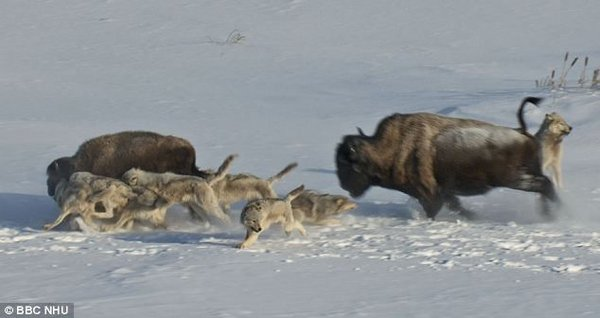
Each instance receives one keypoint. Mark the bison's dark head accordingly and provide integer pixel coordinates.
(59, 169)
(351, 166)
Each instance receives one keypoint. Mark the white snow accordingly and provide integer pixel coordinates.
(477, 138)
(305, 74)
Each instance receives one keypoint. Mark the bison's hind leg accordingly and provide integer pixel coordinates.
(431, 206)
(540, 184)
(535, 183)
(453, 203)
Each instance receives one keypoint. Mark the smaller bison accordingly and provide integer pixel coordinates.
(436, 158)
(111, 155)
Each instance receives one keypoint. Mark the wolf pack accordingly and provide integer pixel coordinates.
(130, 180)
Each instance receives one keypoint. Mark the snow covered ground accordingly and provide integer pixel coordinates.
(305, 73)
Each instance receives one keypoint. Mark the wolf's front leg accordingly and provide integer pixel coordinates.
(58, 221)
(250, 239)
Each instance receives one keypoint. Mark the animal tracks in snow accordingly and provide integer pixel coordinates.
(447, 245)
(402, 243)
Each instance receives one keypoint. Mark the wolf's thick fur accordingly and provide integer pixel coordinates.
(550, 136)
(103, 203)
(111, 155)
(238, 187)
(437, 158)
(320, 208)
(259, 215)
(193, 192)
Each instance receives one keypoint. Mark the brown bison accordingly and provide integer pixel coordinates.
(111, 155)
(435, 158)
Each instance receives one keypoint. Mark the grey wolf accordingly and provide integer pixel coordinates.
(103, 203)
(193, 192)
(258, 215)
(550, 135)
(237, 187)
(320, 208)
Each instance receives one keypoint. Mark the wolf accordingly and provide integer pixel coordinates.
(259, 215)
(320, 208)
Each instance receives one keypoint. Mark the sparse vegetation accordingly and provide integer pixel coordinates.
(234, 37)
(596, 78)
(552, 82)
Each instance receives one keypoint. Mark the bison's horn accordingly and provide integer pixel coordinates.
(361, 132)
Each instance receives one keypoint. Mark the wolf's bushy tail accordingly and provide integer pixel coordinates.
(222, 171)
(294, 193)
(282, 173)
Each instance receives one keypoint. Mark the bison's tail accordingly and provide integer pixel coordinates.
(223, 170)
(282, 173)
(533, 100)
(204, 174)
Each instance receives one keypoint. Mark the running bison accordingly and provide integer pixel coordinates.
(111, 155)
(435, 158)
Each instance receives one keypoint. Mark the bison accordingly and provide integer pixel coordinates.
(435, 159)
(113, 154)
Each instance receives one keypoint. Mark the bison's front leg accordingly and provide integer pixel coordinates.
(431, 206)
